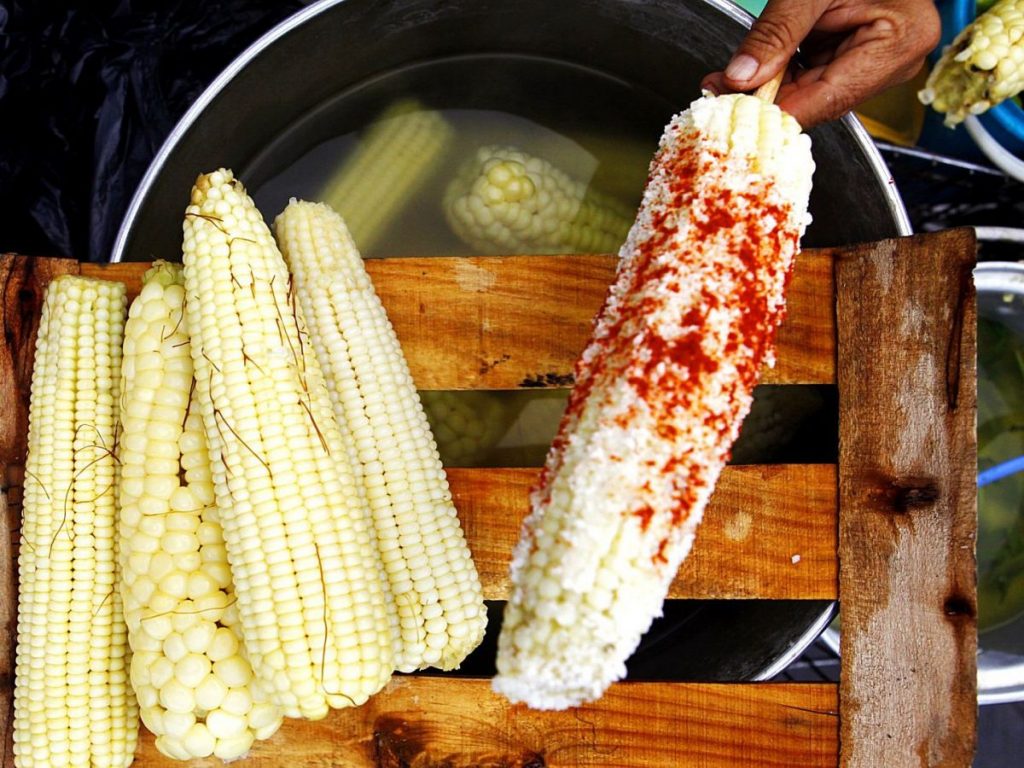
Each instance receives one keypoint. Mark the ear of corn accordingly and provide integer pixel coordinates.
(466, 424)
(309, 581)
(194, 684)
(507, 201)
(72, 702)
(661, 391)
(394, 158)
(428, 563)
(982, 67)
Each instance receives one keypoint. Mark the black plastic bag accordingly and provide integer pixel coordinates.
(88, 92)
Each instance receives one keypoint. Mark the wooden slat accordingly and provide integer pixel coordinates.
(759, 520)
(906, 318)
(22, 282)
(459, 723)
(509, 322)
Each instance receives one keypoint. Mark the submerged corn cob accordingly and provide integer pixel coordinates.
(72, 702)
(661, 391)
(506, 201)
(395, 156)
(309, 581)
(466, 424)
(430, 571)
(194, 684)
(982, 67)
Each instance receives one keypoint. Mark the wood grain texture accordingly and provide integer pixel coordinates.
(458, 723)
(906, 323)
(478, 323)
(758, 520)
(22, 283)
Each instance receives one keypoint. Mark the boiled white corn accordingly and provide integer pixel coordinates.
(309, 581)
(430, 571)
(194, 684)
(72, 702)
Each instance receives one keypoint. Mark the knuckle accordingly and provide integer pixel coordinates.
(773, 34)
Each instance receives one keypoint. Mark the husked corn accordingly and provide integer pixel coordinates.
(72, 702)
(982, 67)
(308, 579)
(167, 496)
(507, 201)
(440, 609)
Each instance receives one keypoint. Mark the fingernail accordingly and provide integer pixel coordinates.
(742, 68)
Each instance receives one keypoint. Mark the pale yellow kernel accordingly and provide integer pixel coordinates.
(238, 701)
(199, 636)
(210, 692)
(200, 740)
(234, 748)
(176, 724)
(161, 672)
(183, 500)
(224, 725)
(176, 697)
(174, 648)
(192, 669)
(234, 671)
(178, 542)
(172, 748)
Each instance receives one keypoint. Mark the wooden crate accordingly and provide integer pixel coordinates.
(889, 530)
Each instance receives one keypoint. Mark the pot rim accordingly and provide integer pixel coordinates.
(853, 125)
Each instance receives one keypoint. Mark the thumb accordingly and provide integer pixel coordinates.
(772, 41)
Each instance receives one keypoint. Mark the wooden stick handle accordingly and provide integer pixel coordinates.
(768, 91)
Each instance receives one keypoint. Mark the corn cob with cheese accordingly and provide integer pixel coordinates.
(430, 571)
(72, 702)
(661, 391)
(194, 684)
(308, 579)
(507, 201)
(395, 157)
(982, 67)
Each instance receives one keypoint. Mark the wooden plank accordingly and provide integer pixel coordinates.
(459, 723)
(508, 322)
(769, 532)
(906, 319)
(22, 282)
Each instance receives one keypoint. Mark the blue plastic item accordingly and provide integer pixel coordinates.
(1001, 470)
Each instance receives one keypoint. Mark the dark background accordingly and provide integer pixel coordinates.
(88, 91)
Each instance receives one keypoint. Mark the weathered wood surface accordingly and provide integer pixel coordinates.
(474, 323)
(769, 531)
(459, 723)
(497, 321)
(906, 325)
(759, 518)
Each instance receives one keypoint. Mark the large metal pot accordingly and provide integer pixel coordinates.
(663, 46)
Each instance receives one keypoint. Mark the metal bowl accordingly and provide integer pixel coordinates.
(336, 47)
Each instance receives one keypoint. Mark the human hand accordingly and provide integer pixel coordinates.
(851, 50)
